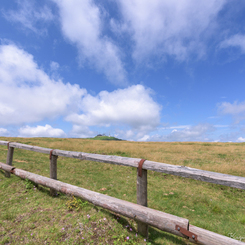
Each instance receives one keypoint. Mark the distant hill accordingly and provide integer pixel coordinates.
(104, 137)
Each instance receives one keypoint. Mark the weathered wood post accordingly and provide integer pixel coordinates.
(9, 160)
(142, 195)
(53, 171)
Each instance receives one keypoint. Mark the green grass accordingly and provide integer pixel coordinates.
(105, 138)
(29, 215)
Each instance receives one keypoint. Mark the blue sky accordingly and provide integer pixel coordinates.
(136, 69)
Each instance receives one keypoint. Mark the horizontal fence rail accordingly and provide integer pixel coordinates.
(187, 172)
(163, 221)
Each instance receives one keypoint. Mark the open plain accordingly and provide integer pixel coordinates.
(29, 215)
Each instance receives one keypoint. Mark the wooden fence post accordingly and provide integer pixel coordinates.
(53, 171)
(9, 160)
(142, 196)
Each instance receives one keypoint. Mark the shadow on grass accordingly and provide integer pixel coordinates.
(154, 234)
(45, 190)
(2, 172)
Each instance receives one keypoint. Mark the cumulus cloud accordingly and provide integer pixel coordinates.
(132, 107)
(198, 132)
(127, 134)
(28, 94)
(41, 131)
(144, 138)
(163, 27)
(237, 40)
(237, 110)
(82, 24)
(81, 131)
(194, 133)
(29, 17)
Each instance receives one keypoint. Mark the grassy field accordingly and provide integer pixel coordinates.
(29, 215)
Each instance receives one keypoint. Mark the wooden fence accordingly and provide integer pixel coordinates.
(140, 212)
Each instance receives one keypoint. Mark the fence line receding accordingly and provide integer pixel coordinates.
(139, 212)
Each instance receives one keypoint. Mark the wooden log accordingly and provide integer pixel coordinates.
(6, 167)
(3, 142)
(30, 147)
(211, 238)
(162, 221)
(187, 172)
(142, 199)
(53, 172)
(124, 161)
(197, 174)
(9, 160)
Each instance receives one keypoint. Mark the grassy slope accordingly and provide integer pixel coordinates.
(32, 215)
(105, 138)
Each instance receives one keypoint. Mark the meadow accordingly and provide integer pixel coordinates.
(29, 215)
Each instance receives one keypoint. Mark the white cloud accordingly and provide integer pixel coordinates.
(144, 138)
(41, 131)
(194, 133)
(82, 24)
(163, 27)
(81, 131)
(132, 107)
(127, 134)
(28, 94)
(29, 17)
(198, 132)
(237, 40)
(157, 28)
(241, 139)
(234, 109)
(237, 110)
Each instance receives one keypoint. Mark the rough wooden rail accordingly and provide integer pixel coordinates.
(187, 172)
(163, 221)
